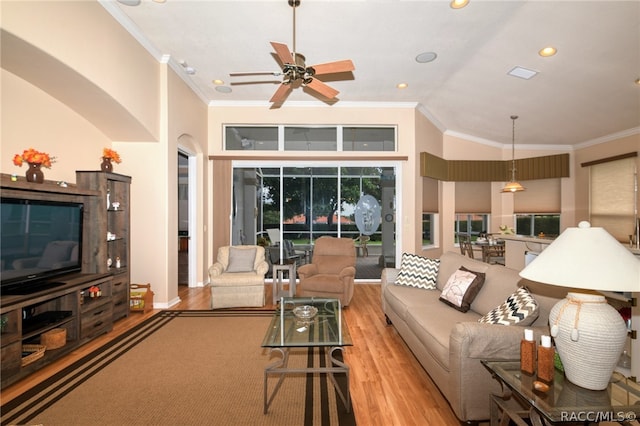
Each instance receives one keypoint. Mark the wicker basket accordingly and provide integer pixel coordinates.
(55, 338)
(36, 352)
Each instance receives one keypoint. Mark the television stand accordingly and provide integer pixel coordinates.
(67, 305)
(23, 290)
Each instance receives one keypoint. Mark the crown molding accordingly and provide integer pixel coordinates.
(163, 58)
(114, 10)
(609, 138)
(432, 118)
(315, 104)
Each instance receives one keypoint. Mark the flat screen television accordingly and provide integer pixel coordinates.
(39, 241)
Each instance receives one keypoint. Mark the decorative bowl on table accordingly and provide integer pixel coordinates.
(305, 312)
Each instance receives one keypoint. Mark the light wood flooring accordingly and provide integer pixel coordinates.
(388, 385)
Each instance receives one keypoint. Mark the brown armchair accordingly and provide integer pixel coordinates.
(331, 271)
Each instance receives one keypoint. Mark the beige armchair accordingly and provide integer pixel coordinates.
(237, 277)
(331, 271)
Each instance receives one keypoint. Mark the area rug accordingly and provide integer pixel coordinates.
(187, 368)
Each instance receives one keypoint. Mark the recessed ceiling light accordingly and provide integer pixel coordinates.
(458, 4)
(547, 51)
(402, 85)
(218, 82)
(425, 57)
(638, 81)
(223, 89)
(521, 72)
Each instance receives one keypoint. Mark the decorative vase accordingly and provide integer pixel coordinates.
(34, 173)
(106, 165)
(589, 335)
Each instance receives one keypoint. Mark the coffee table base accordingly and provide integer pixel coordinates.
(281, 368)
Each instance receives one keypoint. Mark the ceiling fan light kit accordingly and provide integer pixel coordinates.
(296, 73)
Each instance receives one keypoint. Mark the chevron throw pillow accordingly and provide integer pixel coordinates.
(418, 271)
(519, 308)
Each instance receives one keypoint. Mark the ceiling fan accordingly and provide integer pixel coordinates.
(296, 73)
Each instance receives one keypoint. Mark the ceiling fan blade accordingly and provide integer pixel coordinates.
(325, 90)
(281, 94)
(283, 52)
(241, 74)
(333, 67)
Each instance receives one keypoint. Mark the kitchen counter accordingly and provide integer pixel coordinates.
(517, 247)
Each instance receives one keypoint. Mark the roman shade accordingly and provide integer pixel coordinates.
(473, 197)
(541, 196)
(429, 195)
(612, 196)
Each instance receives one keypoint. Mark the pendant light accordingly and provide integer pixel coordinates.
(513, 185)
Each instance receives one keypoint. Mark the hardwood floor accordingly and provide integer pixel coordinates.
(388, 385)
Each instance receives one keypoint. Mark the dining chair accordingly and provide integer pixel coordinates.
(495, 254)
(464, 240)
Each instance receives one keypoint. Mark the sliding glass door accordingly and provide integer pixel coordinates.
(305, 203)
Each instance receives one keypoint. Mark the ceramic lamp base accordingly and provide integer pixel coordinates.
(589, 335)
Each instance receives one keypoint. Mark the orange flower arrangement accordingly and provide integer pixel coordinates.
(32, 156)
(111, 155)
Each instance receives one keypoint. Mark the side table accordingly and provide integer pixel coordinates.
(564, 402)
(278, 281)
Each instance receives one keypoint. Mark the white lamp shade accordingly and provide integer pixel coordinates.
(586, 258)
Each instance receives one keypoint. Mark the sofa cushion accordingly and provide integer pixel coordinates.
(418, 271)
(401, 297)
(330, 283)
(241, 260)
(519, 308)
(461, 288)
(499, 283)
(432, 325)
(450, 262)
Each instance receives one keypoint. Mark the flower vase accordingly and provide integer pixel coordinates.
(34, 173)
(106, 165)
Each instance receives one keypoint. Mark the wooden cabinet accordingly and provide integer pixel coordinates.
(111, 232)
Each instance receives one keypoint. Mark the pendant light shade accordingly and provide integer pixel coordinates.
(513, 185)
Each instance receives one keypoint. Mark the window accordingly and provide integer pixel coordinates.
(368, 139)
(309, 138)
(472, 224)
(251, 138)
(536, 224)
(429, 229)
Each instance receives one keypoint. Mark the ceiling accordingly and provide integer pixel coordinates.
(584, 94)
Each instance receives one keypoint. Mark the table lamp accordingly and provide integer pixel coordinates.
(588, 332)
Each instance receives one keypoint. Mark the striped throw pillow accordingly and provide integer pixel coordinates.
(519, 308)
(417, 271)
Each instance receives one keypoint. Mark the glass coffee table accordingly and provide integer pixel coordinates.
(307, 323)
(562, 401)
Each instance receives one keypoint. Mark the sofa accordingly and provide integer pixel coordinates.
(449, 343)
